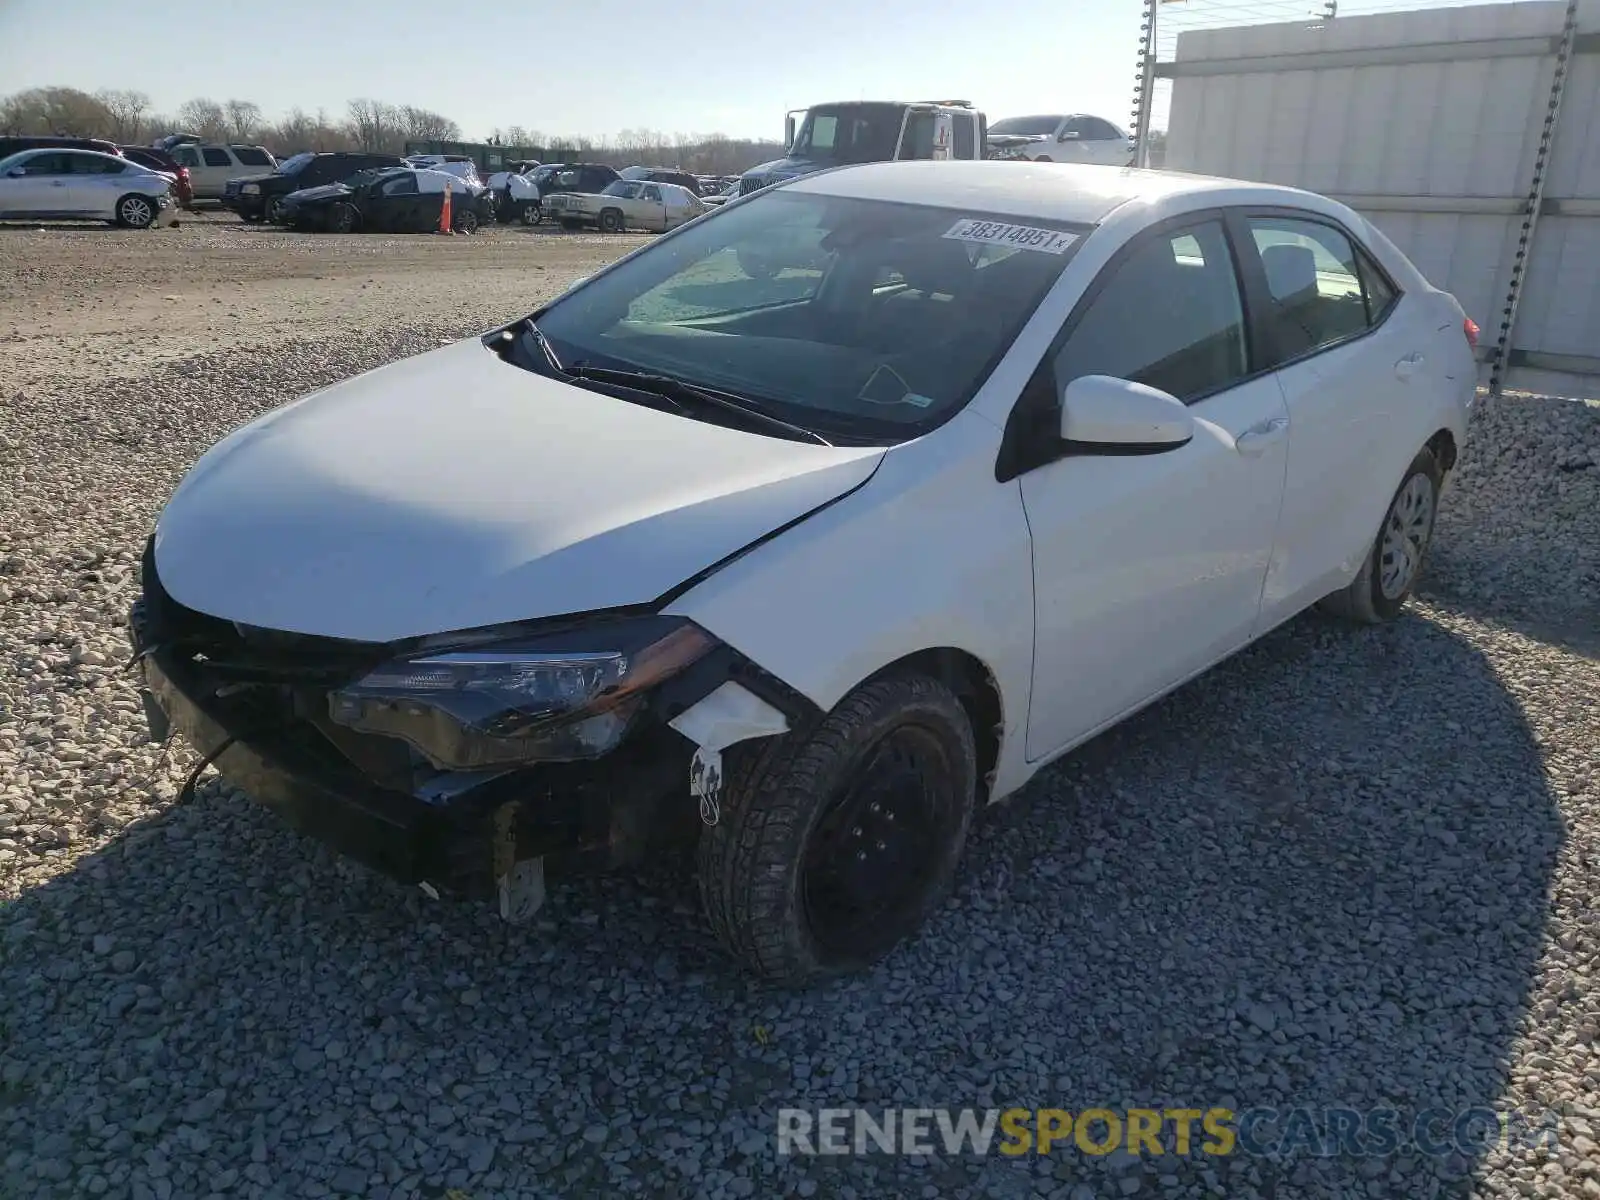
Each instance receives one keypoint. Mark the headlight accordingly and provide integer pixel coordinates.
(251, 189)
(552, 699)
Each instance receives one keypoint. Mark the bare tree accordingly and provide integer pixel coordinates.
(244, 119)
(422, 125)
(127, 109)
(205, 117)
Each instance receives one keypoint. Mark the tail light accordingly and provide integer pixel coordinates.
(1470, 328)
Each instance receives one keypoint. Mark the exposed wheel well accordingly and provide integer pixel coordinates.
(1443, 447)
(974, 685)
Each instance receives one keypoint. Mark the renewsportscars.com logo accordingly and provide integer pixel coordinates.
(1180, 1132)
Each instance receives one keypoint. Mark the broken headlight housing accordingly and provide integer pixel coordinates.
(554, 698)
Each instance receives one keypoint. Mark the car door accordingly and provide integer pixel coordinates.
(398, 203)
(97, 183)
(1104, 144)
(1149, 567)
(39, 188)
(650, 209)
(1334, 329)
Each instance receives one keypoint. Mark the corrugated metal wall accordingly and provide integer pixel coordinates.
(1428, 123)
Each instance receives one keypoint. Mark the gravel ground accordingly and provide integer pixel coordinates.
(1348, 868)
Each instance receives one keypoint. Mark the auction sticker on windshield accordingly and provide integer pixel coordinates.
(1023, 237)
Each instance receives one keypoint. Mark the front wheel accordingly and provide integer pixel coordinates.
(465, 221)
(135, 211)
(274, 212)
(1394, 561)
(836, 843)
(342, 219)
(532, 213)
(611, 221)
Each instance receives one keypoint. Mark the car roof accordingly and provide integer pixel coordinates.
(1067, 192)
(38, 150)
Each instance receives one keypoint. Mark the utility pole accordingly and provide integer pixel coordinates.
(1145, 96)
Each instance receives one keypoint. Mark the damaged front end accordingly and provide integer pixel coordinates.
(469, 763)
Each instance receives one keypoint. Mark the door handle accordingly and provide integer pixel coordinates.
(1259, 437)
(1407, 366)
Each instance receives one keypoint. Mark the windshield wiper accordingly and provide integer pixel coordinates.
(682, 394)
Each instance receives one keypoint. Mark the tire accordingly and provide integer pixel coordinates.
(250, 218)
(465, 221)
(1395, 559)
(532, 213)
(342, 219)
(611, 221)
(273, 213)
(1044, 158)
(135, 211)
(898, 746)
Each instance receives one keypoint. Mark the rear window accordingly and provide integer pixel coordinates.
(251, 157)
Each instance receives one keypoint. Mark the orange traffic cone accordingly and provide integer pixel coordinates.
(444, 212)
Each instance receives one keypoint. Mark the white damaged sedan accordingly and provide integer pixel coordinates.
(805, 565)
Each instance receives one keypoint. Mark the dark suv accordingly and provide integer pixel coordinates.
(259, 197)
(16, 145)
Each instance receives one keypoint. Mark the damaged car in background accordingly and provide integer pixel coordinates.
(810, 564)
(626, 204)
(388, 200)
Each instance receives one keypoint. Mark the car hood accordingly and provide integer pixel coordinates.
(238, 181)
(787, 168)
(1005, 141)
(455, 490)
(325, 191)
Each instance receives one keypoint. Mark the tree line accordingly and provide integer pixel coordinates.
(130, 118)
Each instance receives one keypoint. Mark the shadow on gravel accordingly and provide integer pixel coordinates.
(1314, 878)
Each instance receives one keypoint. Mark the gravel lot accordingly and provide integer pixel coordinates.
(1349, 868)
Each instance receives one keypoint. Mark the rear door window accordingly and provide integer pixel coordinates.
(251, 157)
(1314, 284)
(217, 158)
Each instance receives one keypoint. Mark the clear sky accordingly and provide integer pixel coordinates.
(592, 67)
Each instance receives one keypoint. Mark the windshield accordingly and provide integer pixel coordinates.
(543, 173)
(626, 188)
(858, 319)
(850, 133)
(294, 164)
(1032, 126)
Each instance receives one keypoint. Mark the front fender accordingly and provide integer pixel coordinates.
(931, 553)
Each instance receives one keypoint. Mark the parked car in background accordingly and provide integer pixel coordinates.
(260, 197)
(16, 145)
(626, 204)
(1062, 137)
(160, 160)
(462, 166)
(553, 178)
(671, 175)
(730, 191)
(390, 200)
(85, 185)
(211, 166)
(515, 196)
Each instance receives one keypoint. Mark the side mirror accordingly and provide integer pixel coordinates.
(788, 133)
(1067, 135)
(1116, 416)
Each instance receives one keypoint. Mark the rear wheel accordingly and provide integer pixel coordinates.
(835, 843)
(135, 211)
(1394, 560)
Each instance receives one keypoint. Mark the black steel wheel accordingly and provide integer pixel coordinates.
(342, 219)
(833, 845)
